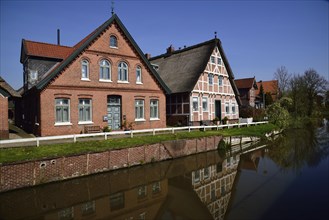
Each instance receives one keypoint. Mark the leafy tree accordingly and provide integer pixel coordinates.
(278, 115)
(268, 99)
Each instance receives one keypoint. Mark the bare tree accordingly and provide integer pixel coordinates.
(283, 78)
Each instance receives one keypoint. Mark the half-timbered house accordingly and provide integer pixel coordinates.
(201, 83)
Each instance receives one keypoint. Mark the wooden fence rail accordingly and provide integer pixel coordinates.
(74, 137)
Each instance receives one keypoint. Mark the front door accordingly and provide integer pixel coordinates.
(114, 112)
(218, 109)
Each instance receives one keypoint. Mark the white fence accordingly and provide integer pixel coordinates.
(105, 135)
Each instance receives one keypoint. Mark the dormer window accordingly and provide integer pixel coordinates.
(113, 41)
(85, 70)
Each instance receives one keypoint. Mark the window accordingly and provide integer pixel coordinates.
(156, 187)
(113, 41)
(62, 107)
(220, 80)
(88, 208)
(211, 79)
(139, 109)
(84, 69)
(233, 108)
(66, 214)
(195, 104)
(227, 108)
(123, 72)
(219, 61)
(212, 59)
(117, 201)
(197, 176)
(204, 103)
(84, 110)
(154, 109)
(142, 191)
(138, 74)
(104, 70)
(34, 74)
(206, 173)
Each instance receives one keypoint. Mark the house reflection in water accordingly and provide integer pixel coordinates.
(213, 185)
(193, 187)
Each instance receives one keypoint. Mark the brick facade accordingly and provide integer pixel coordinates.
(4, 129)
(40, 107)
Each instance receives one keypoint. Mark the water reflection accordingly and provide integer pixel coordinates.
(209, 185)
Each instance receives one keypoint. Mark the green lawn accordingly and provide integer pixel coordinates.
(57, 150)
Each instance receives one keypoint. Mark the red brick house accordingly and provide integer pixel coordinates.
(104, 80)
(7, 96)
(201, 83)
(248, 91)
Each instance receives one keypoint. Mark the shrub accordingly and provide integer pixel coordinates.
(278, 115)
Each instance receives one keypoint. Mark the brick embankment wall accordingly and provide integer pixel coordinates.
(25, 174)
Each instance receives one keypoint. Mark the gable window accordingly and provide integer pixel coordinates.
(62, 109)
(219, 61)
(139, 75)
(34, 74)
(220, 80)
(204, 103)
(139, 109)
(211, 79)
(154, 109)
(212, 59)
(113, 41)
(195, 104)
(84, 69)
(104, 70)
(85, 110)
(123, 72)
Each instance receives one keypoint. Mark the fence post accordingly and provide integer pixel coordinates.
(105, 136)
(204, 128)
(189, 129)
(38, 142)
(173, 131)
(74, 138)
(153, 132)
(131, 134)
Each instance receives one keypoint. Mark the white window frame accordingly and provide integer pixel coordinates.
(212, 59)
(219, 61)
(115, 42)
(154, 109)
(84, 106)
(233, 108)
(211, 79)
(220, 80)
(227, 108)
(139, 75)
(62, 106)
(205, 107)
(139, 110)
(123, 72)
(195, 100)
(85, 76)
(103, 65)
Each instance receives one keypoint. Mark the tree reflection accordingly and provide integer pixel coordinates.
(298, 147)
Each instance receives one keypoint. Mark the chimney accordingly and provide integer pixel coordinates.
(148, 56)
(170, 49)
(58, 37)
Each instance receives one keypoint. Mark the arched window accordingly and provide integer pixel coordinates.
(113, 41)
(104, 70)
(123, 72)
(84, 69)
(138, 74)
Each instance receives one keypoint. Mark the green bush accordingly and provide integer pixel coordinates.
(278, 115)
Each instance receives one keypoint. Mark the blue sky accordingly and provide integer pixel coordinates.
(257, 36)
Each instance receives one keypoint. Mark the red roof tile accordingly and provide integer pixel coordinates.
(268, 86)
(246, 83)
(47, 50)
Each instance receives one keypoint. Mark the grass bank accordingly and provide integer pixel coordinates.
(58, 150)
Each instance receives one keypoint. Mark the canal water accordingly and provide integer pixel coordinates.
(285, 179)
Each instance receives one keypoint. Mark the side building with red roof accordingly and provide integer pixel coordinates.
(103, 81)
(248, 91)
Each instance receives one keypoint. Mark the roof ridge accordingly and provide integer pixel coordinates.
(187, 48)
(47, 43)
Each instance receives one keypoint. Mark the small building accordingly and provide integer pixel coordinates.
(103, 81)
(248, 91)
(201, 83)
(8, 97)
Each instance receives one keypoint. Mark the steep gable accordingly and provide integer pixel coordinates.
(87, 44)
